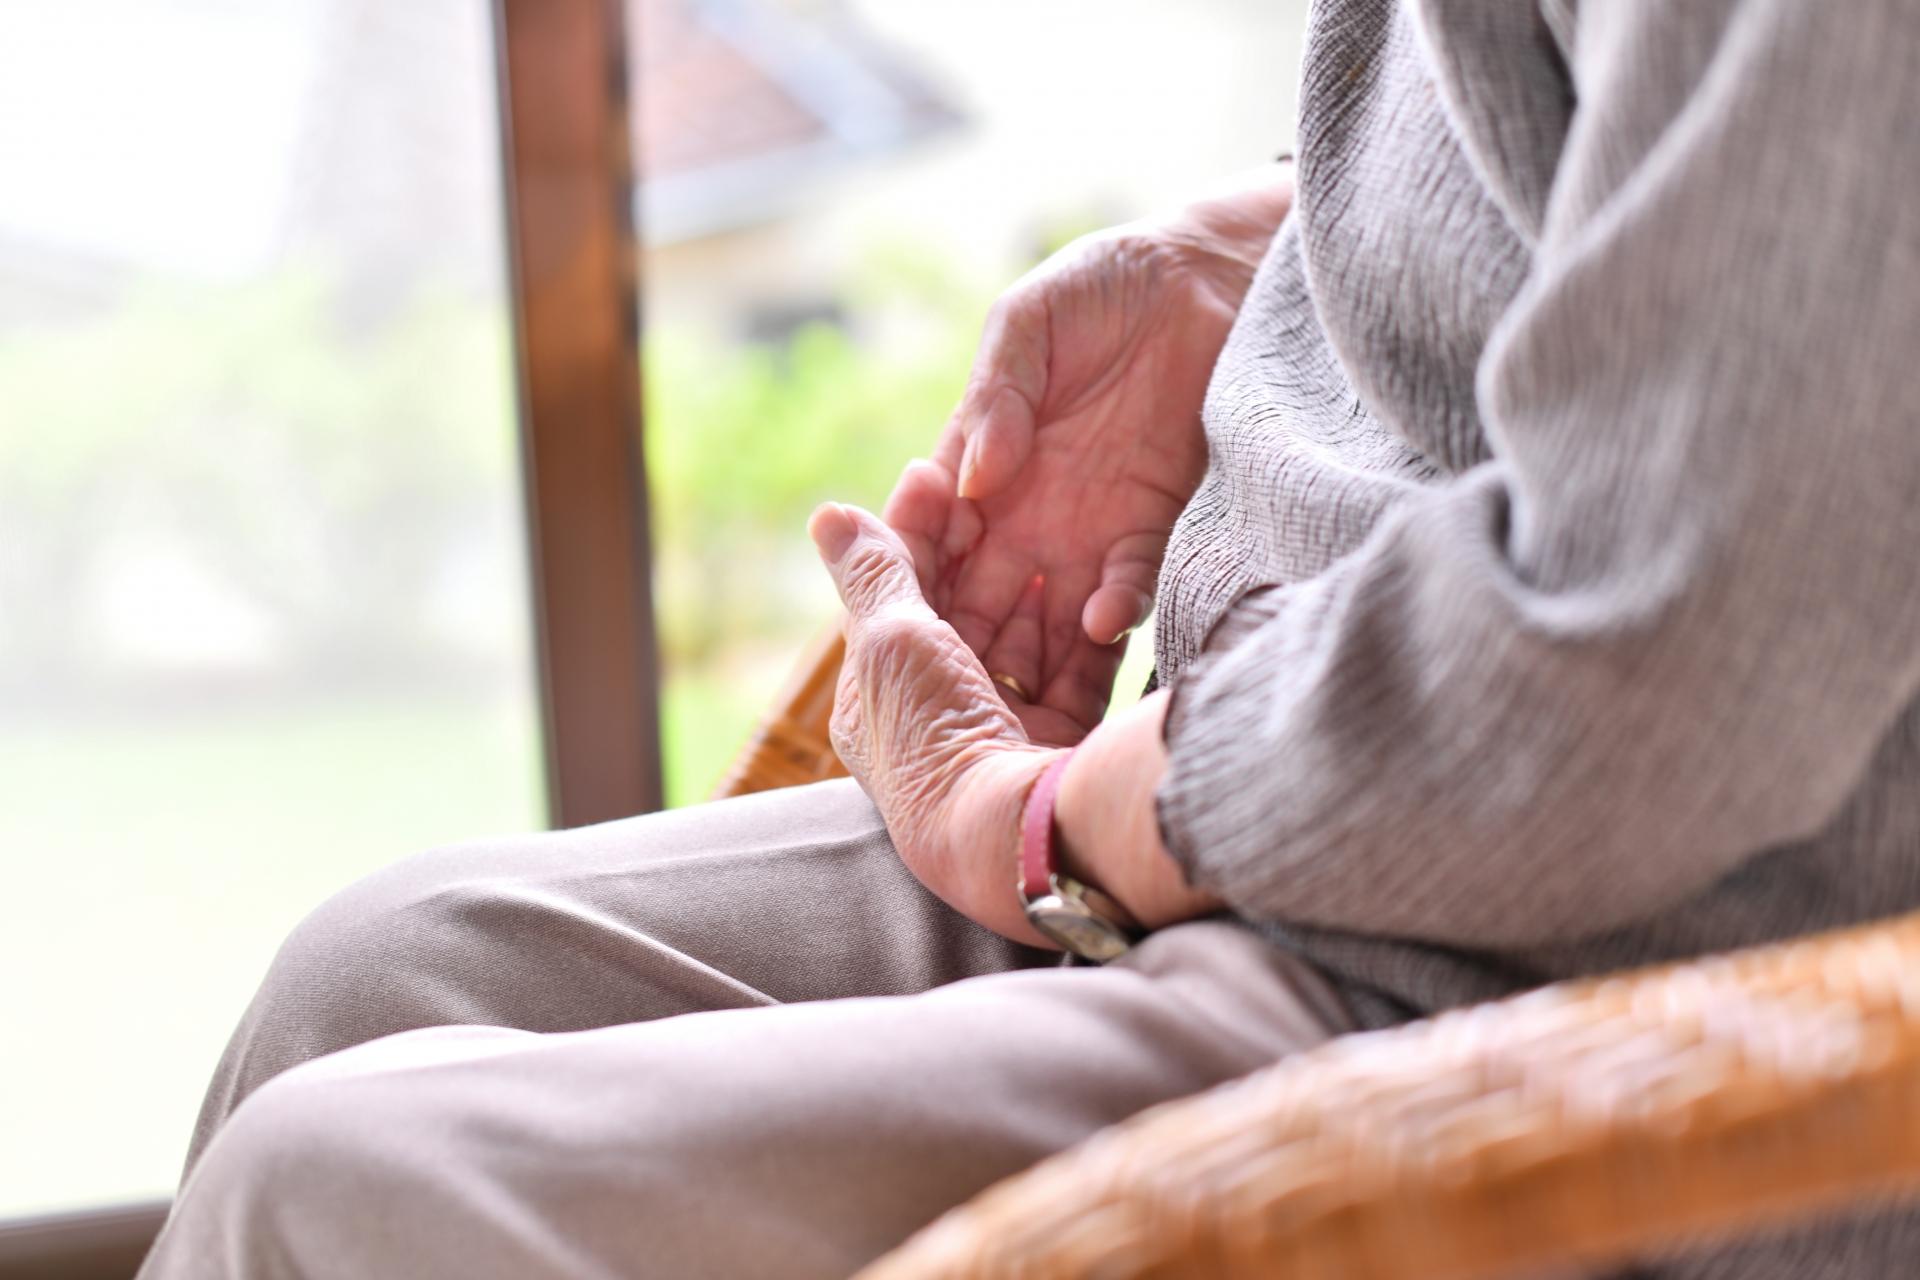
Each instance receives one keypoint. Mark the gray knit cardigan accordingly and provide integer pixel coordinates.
(1552, 601)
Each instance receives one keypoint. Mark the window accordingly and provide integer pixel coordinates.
(263, 612)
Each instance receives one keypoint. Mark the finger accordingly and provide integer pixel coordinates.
(1114, 610)
(985, 591)
(964, 527)
(906, 667)
(1084, 684)
(920, 508)
(1127, 580)
(999, 444)
(1015, 652)
(870, 565)
(1068, 587)
(995, 419)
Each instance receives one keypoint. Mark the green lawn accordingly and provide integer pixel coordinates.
(153, 866)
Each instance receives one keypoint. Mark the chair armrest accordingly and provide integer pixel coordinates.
(1577, 1125)
(790, 746)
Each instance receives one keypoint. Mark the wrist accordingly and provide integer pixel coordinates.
(984, 825)
(1109, 826)
(1081, 917)
(1231, 226)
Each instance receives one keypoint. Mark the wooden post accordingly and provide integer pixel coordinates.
(567, 173)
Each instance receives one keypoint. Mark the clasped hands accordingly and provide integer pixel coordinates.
(1027, 547)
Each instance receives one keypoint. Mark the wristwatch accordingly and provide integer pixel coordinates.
(1073, 913)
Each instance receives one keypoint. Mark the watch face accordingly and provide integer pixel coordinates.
(1077, 929)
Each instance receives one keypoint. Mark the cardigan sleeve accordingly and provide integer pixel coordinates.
(1666, 626)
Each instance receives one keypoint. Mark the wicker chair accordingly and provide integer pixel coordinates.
(1572, 1127)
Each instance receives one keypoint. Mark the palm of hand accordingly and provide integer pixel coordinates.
(1077, 444)
(1117, 451)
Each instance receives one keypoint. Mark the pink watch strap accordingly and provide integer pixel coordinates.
(1039, 849)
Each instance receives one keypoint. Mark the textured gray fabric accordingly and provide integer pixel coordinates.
(1559, 542)
(1549, 605)
(728, 1041)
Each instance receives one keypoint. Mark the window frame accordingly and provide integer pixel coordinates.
(567, 174)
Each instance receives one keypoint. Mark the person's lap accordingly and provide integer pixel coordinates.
(732, 1040)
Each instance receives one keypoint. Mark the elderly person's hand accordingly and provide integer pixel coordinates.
(925, 730)
(1078, 441)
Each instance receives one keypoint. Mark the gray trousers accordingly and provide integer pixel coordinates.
(737, 1040)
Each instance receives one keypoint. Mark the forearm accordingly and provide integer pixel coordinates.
(1579, 684)
(982, 879)
(1105, 815)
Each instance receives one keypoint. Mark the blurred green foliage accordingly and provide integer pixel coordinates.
(744, 440)
(329, 460)
(323, 466)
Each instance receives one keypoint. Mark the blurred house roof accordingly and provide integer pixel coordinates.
(747, 105)
(367, 136)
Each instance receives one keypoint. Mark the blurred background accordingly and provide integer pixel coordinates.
(264, 604)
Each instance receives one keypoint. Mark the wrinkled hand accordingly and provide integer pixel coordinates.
(1039, 524)
(925, 731)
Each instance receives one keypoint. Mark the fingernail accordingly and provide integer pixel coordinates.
(834, 529)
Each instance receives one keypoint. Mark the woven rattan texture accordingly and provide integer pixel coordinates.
(1577, 1124)
(790, 746)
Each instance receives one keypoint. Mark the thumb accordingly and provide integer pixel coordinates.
(1001, 427)
(869, 563)
(1009, 379)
